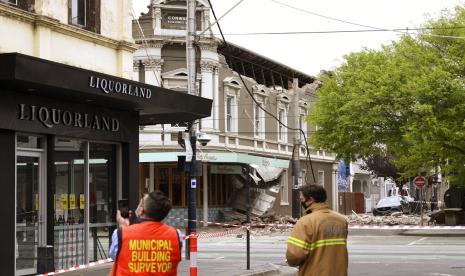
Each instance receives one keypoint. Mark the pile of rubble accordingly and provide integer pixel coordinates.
(263, 225)
(397, 218)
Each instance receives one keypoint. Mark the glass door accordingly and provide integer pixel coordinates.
(30, 210)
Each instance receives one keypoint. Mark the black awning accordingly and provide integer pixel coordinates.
(45, 78)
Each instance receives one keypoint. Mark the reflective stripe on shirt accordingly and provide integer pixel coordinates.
(319, 243)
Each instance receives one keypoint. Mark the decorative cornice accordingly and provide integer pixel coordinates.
(208, 46)
(207, 66)
(153, 64)
(38, 20)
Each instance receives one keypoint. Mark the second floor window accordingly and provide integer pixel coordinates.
(78, 12)
(27, 5)
(85, 14)
(321, 178)
(229, 113)
(281, 129)
(258, 120)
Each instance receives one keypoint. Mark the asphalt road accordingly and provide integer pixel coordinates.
(370, 253)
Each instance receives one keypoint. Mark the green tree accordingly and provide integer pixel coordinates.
(405, 100)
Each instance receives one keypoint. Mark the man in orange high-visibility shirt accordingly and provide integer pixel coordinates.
(318, 242)
(148, 247)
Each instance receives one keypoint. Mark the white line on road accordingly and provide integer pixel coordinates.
(419, 240)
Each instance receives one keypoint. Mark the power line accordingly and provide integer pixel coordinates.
(342, 31)
(356, 24)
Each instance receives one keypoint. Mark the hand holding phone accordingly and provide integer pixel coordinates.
(123, 207)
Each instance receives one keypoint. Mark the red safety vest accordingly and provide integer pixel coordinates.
(148, 248)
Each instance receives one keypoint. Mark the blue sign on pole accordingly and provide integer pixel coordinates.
(193, 183)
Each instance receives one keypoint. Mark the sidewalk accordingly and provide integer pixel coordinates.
(205, 268)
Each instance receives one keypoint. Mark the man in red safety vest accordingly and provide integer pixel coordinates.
(148, 247)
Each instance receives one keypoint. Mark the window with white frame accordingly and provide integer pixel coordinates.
(284, 189)
(232, 94)
(259, 124)
(282, 130)
(229, 113)
(321, 178)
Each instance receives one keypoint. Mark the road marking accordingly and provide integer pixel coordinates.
(419, 240)
(366, 262)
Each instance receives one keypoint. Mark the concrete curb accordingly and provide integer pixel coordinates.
(275, 269)
(264, 272)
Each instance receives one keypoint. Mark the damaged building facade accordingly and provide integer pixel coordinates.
(247, 146)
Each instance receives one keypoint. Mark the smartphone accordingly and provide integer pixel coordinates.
(123, 207)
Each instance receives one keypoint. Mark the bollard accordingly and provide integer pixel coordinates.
(193, 253)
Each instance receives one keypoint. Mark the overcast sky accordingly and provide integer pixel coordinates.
(310, 53)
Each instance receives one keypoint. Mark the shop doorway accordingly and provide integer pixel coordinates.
(30, 207)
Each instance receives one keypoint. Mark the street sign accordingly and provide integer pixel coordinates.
(193, 183)
(419, 181)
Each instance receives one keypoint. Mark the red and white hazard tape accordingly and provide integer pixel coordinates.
(352, 226)
(208, 222)
(79, 267)
(240, 225)
(217, 234)
(405, 227)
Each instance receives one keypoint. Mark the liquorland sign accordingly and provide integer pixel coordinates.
(49, 117)
(108, 86)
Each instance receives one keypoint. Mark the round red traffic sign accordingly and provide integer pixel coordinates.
(419, 181)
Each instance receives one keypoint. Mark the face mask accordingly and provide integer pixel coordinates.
(304, 204)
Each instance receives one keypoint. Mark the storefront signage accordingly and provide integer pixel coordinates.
(111, 86)
(50, 117)
(174, 20)
(225, 169)
(206, 157)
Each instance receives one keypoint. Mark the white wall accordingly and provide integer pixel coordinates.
(50, 37)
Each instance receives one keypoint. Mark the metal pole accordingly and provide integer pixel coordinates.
(421, 206)
(191, 72)
(248, 222)
(296, 209)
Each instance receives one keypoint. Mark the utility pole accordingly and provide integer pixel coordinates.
(191, 75)
(296, 153)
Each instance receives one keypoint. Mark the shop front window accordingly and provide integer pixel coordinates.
(75, 242)
(102, 195)
(69, 204)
